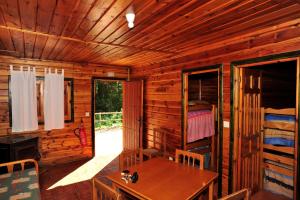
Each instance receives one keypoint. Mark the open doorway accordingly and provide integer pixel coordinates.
(266, 127)
(108, 114)
(202, 111)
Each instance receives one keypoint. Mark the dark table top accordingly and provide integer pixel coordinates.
(15, 139)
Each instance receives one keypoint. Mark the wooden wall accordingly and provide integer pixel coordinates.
(163, 84)
(59, 145)
(209, 87)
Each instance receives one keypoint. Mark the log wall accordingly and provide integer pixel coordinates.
(163, 84)
(59, 145)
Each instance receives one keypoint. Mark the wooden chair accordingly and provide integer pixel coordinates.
(243, 194)
(159, 144)
(10, 165)
(128, 158)
(189, 158)
(103, 191)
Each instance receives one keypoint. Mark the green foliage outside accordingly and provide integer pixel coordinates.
(108, 98)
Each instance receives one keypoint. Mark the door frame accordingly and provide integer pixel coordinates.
(289, 56)
(94, 78)
(206, 69)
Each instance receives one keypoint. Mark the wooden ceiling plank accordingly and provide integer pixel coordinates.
(109, 17)
(215, 28)
(7, 40)
(120, 22)
(254, 23)
(57, 49)
(77, 50)
(6, 35)
(89, 50)
(95, 52)
(76, 40)
(231, 21)
(205, 24)
(61, 19)
(61, 15)
(64, 51)
(39, 46)
(178, 19)
(195, 19)
(250, 37)
(222, 51)
(28, 14)
(153, 20)
(45, 13)
(29, 44)
(95, 14)
(152, 7)
(11, 13)
(12, 18)
(81, 12)
(48, 47)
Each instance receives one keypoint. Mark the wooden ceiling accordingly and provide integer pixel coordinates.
(95, 31)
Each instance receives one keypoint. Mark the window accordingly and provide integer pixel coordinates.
(68, 100)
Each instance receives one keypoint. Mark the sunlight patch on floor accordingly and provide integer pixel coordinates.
(109, 145)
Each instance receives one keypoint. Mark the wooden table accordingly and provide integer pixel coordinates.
(163, 179)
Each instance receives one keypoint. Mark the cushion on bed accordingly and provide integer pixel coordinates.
(282, 118)
(279, 141)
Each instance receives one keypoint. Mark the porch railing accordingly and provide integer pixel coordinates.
(108, 119)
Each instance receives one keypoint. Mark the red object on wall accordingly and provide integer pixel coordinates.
(81, 134)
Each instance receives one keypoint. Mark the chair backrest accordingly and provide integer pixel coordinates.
(189, 158)
(129, 158)
(159, 139)
(10, 165)
(102, 191)
(243, 194)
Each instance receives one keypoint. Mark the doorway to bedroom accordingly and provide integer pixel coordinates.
(202, 115)
(265, 126)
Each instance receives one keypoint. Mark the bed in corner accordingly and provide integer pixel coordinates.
(21, 184)
(200, 127)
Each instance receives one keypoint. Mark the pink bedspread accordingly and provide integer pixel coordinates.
(200, 125)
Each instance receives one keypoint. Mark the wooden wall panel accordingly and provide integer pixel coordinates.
(58, 145)
(167, 79)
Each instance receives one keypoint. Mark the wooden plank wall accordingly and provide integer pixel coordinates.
(58, 145)
(163, 85)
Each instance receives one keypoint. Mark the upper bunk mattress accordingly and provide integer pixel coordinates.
(280, 118)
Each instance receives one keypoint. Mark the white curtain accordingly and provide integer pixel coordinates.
(23, 100)
(54, 100)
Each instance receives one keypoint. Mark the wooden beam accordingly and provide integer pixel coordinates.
(81, 41)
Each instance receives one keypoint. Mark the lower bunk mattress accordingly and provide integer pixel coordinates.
(279, 137)
(279, 183)
(200, 125)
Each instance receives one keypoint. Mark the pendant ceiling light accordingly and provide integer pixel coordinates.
(130, 17)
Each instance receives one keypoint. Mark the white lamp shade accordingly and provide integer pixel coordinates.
(130, 17)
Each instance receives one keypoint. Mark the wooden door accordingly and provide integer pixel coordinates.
(132, 114)
(248, 129)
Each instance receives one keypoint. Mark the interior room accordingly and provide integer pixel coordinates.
(149, 99)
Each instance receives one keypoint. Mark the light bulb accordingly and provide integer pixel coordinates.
(130, 24)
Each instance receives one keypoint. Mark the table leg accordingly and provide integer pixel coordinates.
(211, 191)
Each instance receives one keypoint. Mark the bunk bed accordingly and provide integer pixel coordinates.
(277, 154)
(201, 129)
